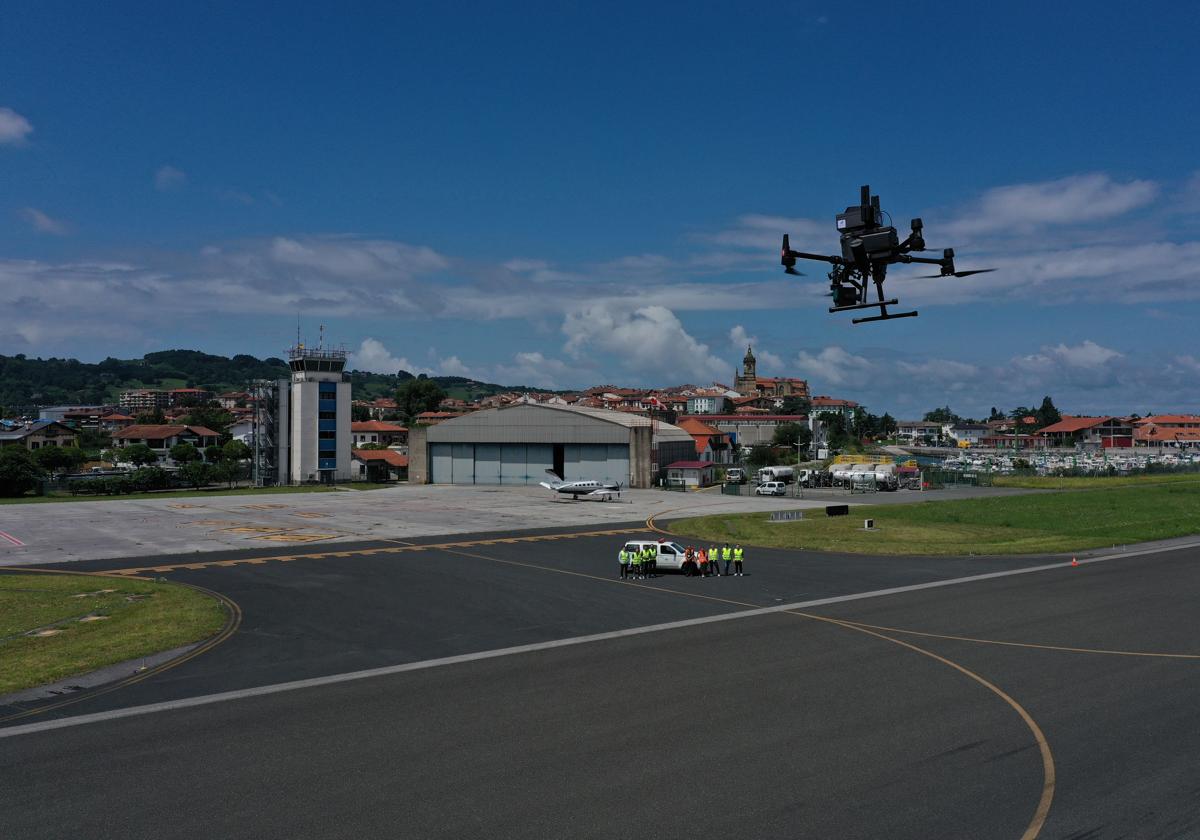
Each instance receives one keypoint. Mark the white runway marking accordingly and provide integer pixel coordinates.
(334, 679)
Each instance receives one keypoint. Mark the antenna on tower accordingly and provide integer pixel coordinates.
(321, 337)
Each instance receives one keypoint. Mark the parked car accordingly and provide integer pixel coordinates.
(771, 488)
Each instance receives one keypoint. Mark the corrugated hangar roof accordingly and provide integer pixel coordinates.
(548, 423)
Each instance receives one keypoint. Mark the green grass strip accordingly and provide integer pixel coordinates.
(142, 617)
(1027, 524)
(1049, 482)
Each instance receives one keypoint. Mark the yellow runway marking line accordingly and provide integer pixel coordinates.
(184, 506)
(1029, 645)
(296, 536)
(293, 537)
(310, 515)
(263, 507)
(254, 529)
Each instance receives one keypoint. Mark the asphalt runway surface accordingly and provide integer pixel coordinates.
(1063, 706)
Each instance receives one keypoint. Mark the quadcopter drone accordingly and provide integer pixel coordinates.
(868, 248)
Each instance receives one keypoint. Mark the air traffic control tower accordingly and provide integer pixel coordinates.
(314, 408)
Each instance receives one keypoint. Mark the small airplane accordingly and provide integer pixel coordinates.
(587, 488)
(868, 248)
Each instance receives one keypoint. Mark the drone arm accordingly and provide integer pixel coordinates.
(908, 258)
(820, 257)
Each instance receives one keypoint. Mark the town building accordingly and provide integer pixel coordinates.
(1089, 432)
(39, 433)
(746, 430)
(161, 437)
(968, 434)
(378, 432)
(822, 406)
(693, 474)
(918, 431)
(1014, 443)
(711, 443)
(190, 396)
(379, 465)
(144, 399)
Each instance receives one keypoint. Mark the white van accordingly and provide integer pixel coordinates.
(670, 554)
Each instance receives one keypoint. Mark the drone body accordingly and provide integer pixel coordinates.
(868, 248)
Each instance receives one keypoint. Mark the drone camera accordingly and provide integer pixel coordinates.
(858, 218)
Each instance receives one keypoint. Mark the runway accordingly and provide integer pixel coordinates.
(764, 725)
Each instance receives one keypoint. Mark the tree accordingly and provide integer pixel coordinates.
(760, 456)
(227, 471)
(942, 415)
(794, 405)
(997, 414)
(210, 417)
(19, 473)
(887, 425)
(235, 450)
(183, 453)
(196, 473)
(138, 454)
(150, 418)
(359, 413)
(1047, 414)
(213, 453)
(417, 395)
(836, 433)
(792, 435)
(59, 459)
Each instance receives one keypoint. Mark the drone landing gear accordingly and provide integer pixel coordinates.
(886, 316)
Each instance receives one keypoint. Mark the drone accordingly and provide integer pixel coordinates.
(868, 248)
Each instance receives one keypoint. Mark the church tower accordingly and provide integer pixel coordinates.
(746, 382)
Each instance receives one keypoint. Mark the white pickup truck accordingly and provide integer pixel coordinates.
(670, 554)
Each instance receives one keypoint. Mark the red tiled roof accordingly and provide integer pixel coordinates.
(387, 456)
(376, 426)
(115, 418)
(779, 418)
(831, 401)
(148, 432)
(689, 465)
(1171, 419)
(696, 426)
(1073, 424)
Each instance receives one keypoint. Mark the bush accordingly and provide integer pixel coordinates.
(149, 478)
(19, 473)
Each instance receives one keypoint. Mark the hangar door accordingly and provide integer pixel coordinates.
(607, 462)
(490, 463)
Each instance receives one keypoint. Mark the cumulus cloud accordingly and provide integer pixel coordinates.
(835, 366)
(13, 128)
(169, 178)
(650, 341)
(43, 223)
(533, 368)
(1076, 198)
(739, 338)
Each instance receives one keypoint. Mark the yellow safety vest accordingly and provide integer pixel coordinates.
(624, 556)
(737, 554)
(726, 553)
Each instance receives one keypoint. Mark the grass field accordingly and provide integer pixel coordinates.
(141, 618)
(1049, 482)
(1035, 524)
(180, 494)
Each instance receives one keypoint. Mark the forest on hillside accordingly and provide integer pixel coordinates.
(26, 382)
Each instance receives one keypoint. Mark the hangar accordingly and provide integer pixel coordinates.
(516, 444)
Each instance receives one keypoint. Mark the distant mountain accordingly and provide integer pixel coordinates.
(28, 382)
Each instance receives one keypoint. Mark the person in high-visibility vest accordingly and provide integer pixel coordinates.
(714, 555)
(635, 561)
(738, 554)
(623, 557)
(651, 561)
(726, 555)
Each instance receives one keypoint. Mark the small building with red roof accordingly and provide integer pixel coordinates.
(379, 465)
(691, 474)
(378, 432)
(1101, 432)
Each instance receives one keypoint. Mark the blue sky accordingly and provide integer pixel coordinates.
(572, 194)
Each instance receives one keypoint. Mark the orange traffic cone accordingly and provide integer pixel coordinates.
(1074, 562)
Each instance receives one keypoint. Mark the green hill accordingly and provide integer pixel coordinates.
(26, 382)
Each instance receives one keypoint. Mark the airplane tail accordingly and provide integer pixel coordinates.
(555, 481)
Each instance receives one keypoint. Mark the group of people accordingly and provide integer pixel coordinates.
(707, 562)
(639, 563)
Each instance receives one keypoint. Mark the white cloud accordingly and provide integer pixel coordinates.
(373, 357)
(453, 366)
(533, 368)
(739, 338)
(650, 341)
(13, 127)
(169, 178)
(835, 366)
(43, 223)
(520, 266)
(1065, 201)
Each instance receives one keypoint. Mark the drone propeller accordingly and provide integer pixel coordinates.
(957, 273)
